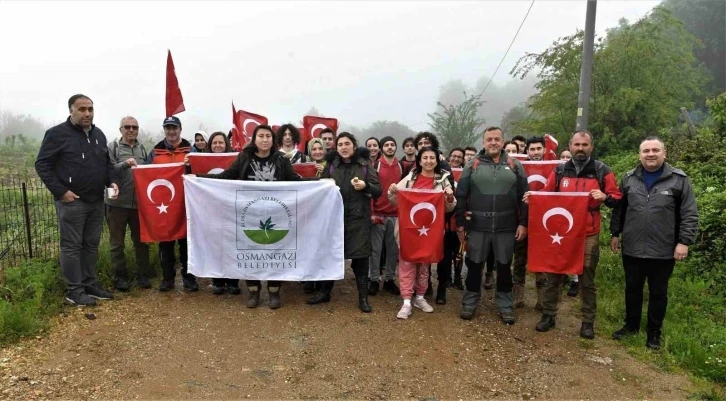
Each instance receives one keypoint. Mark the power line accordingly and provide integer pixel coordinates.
(510, 46)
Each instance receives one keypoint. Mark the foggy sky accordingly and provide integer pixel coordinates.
(356, 61)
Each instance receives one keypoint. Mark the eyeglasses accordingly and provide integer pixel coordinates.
(131, 127)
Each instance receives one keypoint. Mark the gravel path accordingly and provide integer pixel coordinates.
(152, 345)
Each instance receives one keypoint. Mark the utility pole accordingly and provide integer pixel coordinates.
(583, 99)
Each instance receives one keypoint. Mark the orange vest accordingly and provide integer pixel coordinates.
(170, 156)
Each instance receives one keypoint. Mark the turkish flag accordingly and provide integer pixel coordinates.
(210, 163)
(174, 100)
(160, 194)
(313, 125)
(304, 139)
(557, 227)
(306, 170)
(519, 156)
(456, 172)
(421, 225)
(537, 172)
(247, 122)
(550, 147)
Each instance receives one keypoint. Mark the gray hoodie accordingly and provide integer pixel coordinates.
(119, 152)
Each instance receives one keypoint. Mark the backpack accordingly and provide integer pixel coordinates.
(113, 146)
(377, 166)
(599, 174)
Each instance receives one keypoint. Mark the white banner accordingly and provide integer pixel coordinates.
(290, 231)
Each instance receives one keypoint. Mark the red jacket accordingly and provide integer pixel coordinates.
(594, 175)
(387, 174)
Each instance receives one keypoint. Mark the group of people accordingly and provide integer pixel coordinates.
(486, 214)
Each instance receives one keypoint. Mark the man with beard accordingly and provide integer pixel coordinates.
(384, 216)
(535, 152)
(581, 174)
(490, 210)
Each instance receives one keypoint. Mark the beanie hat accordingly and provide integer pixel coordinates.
(388, 139)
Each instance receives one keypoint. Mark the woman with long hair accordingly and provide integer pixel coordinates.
(260, 160)
(353, 173)
(414, 277)
(374, 147)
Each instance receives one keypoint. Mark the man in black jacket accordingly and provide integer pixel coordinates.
(73, 163)
(658, 219)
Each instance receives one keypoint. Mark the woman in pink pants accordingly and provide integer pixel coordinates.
(414, 277)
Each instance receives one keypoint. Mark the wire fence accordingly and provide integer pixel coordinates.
(28, 223)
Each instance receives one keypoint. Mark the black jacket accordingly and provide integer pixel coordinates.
(238, 168)
(69, 160)
(654, 222)
(356, 204)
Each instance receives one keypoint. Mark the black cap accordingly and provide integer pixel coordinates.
(171, 121)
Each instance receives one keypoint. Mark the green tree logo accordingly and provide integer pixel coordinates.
(267, 226)
(266, 234)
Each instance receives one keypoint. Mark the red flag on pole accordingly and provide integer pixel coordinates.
(306, 170)
(550, 147)
(174, 100)
(210, 163)
(421, 225)
(246, 123)
(236, 129)
(313, 125)
(556, 232)
(537, 172)
(160, 195)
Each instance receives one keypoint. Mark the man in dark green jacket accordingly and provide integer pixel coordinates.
(489, 203)
(125, 153)
(658, 219)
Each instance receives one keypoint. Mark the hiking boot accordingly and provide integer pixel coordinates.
(253, 298)
(467, 312)
(373, 288)
(166, 285)
(79, 298)
(405, 311)
(143, 282)
(545, 323)
(390, 286)
(653, 341)
(363, 288)
(441, 295)
(423, 305)
(518, 295)
(234, 289)
(624, 332)
(218, 290)
(190, 284)
(121, 284)
(488, 281)
(508, 318)
(309, 287)
(95, 291)
(321, 298)
(274, 300)
(587, 331)
(574, 289)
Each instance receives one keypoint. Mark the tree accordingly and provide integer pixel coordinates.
(642, 74)
(313, 112)
(14, 124)
(512, 119)
(455, 124)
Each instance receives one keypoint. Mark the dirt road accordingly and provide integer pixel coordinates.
(152, 345)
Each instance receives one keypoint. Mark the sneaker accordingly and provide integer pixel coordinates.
(190, 284)
(653, 341)
(390, 286)
(489, 281)
(79, 298)
(234, 289)
(574, 289)
(166, 285)
(423, 305)
(373, 288)
(405, 311)
(624, 332)
(121, 284)
(218, 290)
(545, 323)
(467, 312)
(587, 331)
(508, 318)
(95, 291)
(143, 282)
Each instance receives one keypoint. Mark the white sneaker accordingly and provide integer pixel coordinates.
(423, 305)
(405, 311)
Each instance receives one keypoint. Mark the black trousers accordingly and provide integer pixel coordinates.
(451, 248)
(360, 268)
(504, 274)
(229, 282)
(657, 272)
(168, 259)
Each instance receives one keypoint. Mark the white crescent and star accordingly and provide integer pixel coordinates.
(215, 171)
(157, 183)
(244, 126)
(555, 211)
(422, 206)
(537, 178)
(316, 126)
